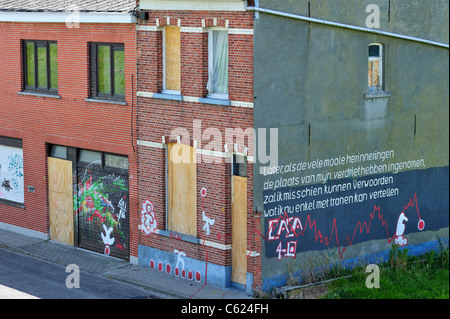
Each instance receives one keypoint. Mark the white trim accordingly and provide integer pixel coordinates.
(236, 31)
(229, 5)
(225, 154)
(242, 104)
(150, 144)
(347, 26)
(63, 17)
(144, 94)
(148, 27)
(194, 99)
(215, 245)
(253, 253)
(241, 31)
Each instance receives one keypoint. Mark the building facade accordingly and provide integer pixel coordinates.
(360, 90)
(236, 143)
(195, 120)
(68, 164)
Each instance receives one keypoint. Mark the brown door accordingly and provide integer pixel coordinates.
(60, 200)
(239, 229)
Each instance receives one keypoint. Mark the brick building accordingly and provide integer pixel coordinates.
(195, 120)
(68, 164)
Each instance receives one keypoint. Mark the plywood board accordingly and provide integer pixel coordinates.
(172, 59)
(239, 229)
(182, 189)
(60, 199)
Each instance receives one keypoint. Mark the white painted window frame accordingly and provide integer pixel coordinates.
(381, 66)
(210, 61)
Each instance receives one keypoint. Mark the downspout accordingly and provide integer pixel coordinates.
(257, 9)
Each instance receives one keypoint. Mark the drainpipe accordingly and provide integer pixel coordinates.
(257, 9)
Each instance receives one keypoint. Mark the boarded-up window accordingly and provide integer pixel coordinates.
(182, 189)
(172, 62)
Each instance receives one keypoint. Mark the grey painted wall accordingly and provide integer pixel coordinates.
(310, 82)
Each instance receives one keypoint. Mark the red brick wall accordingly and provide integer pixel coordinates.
(70, 120)
(158, 117)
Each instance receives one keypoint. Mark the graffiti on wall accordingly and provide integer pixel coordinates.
(11, 174)
(101, 209)
(208, 221)
(176, 268)
(346, 200)
(148, 219)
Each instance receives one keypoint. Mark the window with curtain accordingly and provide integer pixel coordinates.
(218, 64)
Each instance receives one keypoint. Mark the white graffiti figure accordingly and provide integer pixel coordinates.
(179, 271)
(208, 221)
(148, 220)
(123, 209)
(399, 239)
(107, 240)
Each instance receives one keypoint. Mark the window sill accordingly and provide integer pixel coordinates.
(55, 96)
(209, 100)
(167, 96)
(377, 95)
(11, 203)
(106, 101)
(179, 236)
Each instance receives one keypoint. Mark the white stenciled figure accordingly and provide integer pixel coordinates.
(179, 270)
(208, 221)
(107, 240)
(399, 239)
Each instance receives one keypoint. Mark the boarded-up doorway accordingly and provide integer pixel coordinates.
(239, 229)
(60, 200)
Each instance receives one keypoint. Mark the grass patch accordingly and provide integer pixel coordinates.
(402, 277)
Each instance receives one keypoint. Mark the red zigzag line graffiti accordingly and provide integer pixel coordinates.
(319, 237)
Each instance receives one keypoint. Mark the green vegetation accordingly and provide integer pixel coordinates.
(402, 277)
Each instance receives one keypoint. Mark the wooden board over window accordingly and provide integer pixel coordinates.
(239, 229)
(60, 200)
(182, 189)
(172, 59)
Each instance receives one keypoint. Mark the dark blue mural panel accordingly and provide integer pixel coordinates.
(344, 212)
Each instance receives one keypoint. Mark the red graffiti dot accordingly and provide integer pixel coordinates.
(168, 269)
(190, 275)
(183, 273)
(177, 271)
(198, 277)
(421, 224)
(160, 266)
(152, 264)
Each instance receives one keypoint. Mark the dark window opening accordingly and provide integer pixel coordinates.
(107, 71)
(40, 66)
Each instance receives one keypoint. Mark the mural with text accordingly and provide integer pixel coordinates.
(350, 199)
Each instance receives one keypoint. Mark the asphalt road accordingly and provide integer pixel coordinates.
(25, 277)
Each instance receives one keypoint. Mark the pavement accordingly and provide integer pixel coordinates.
(158, 283)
